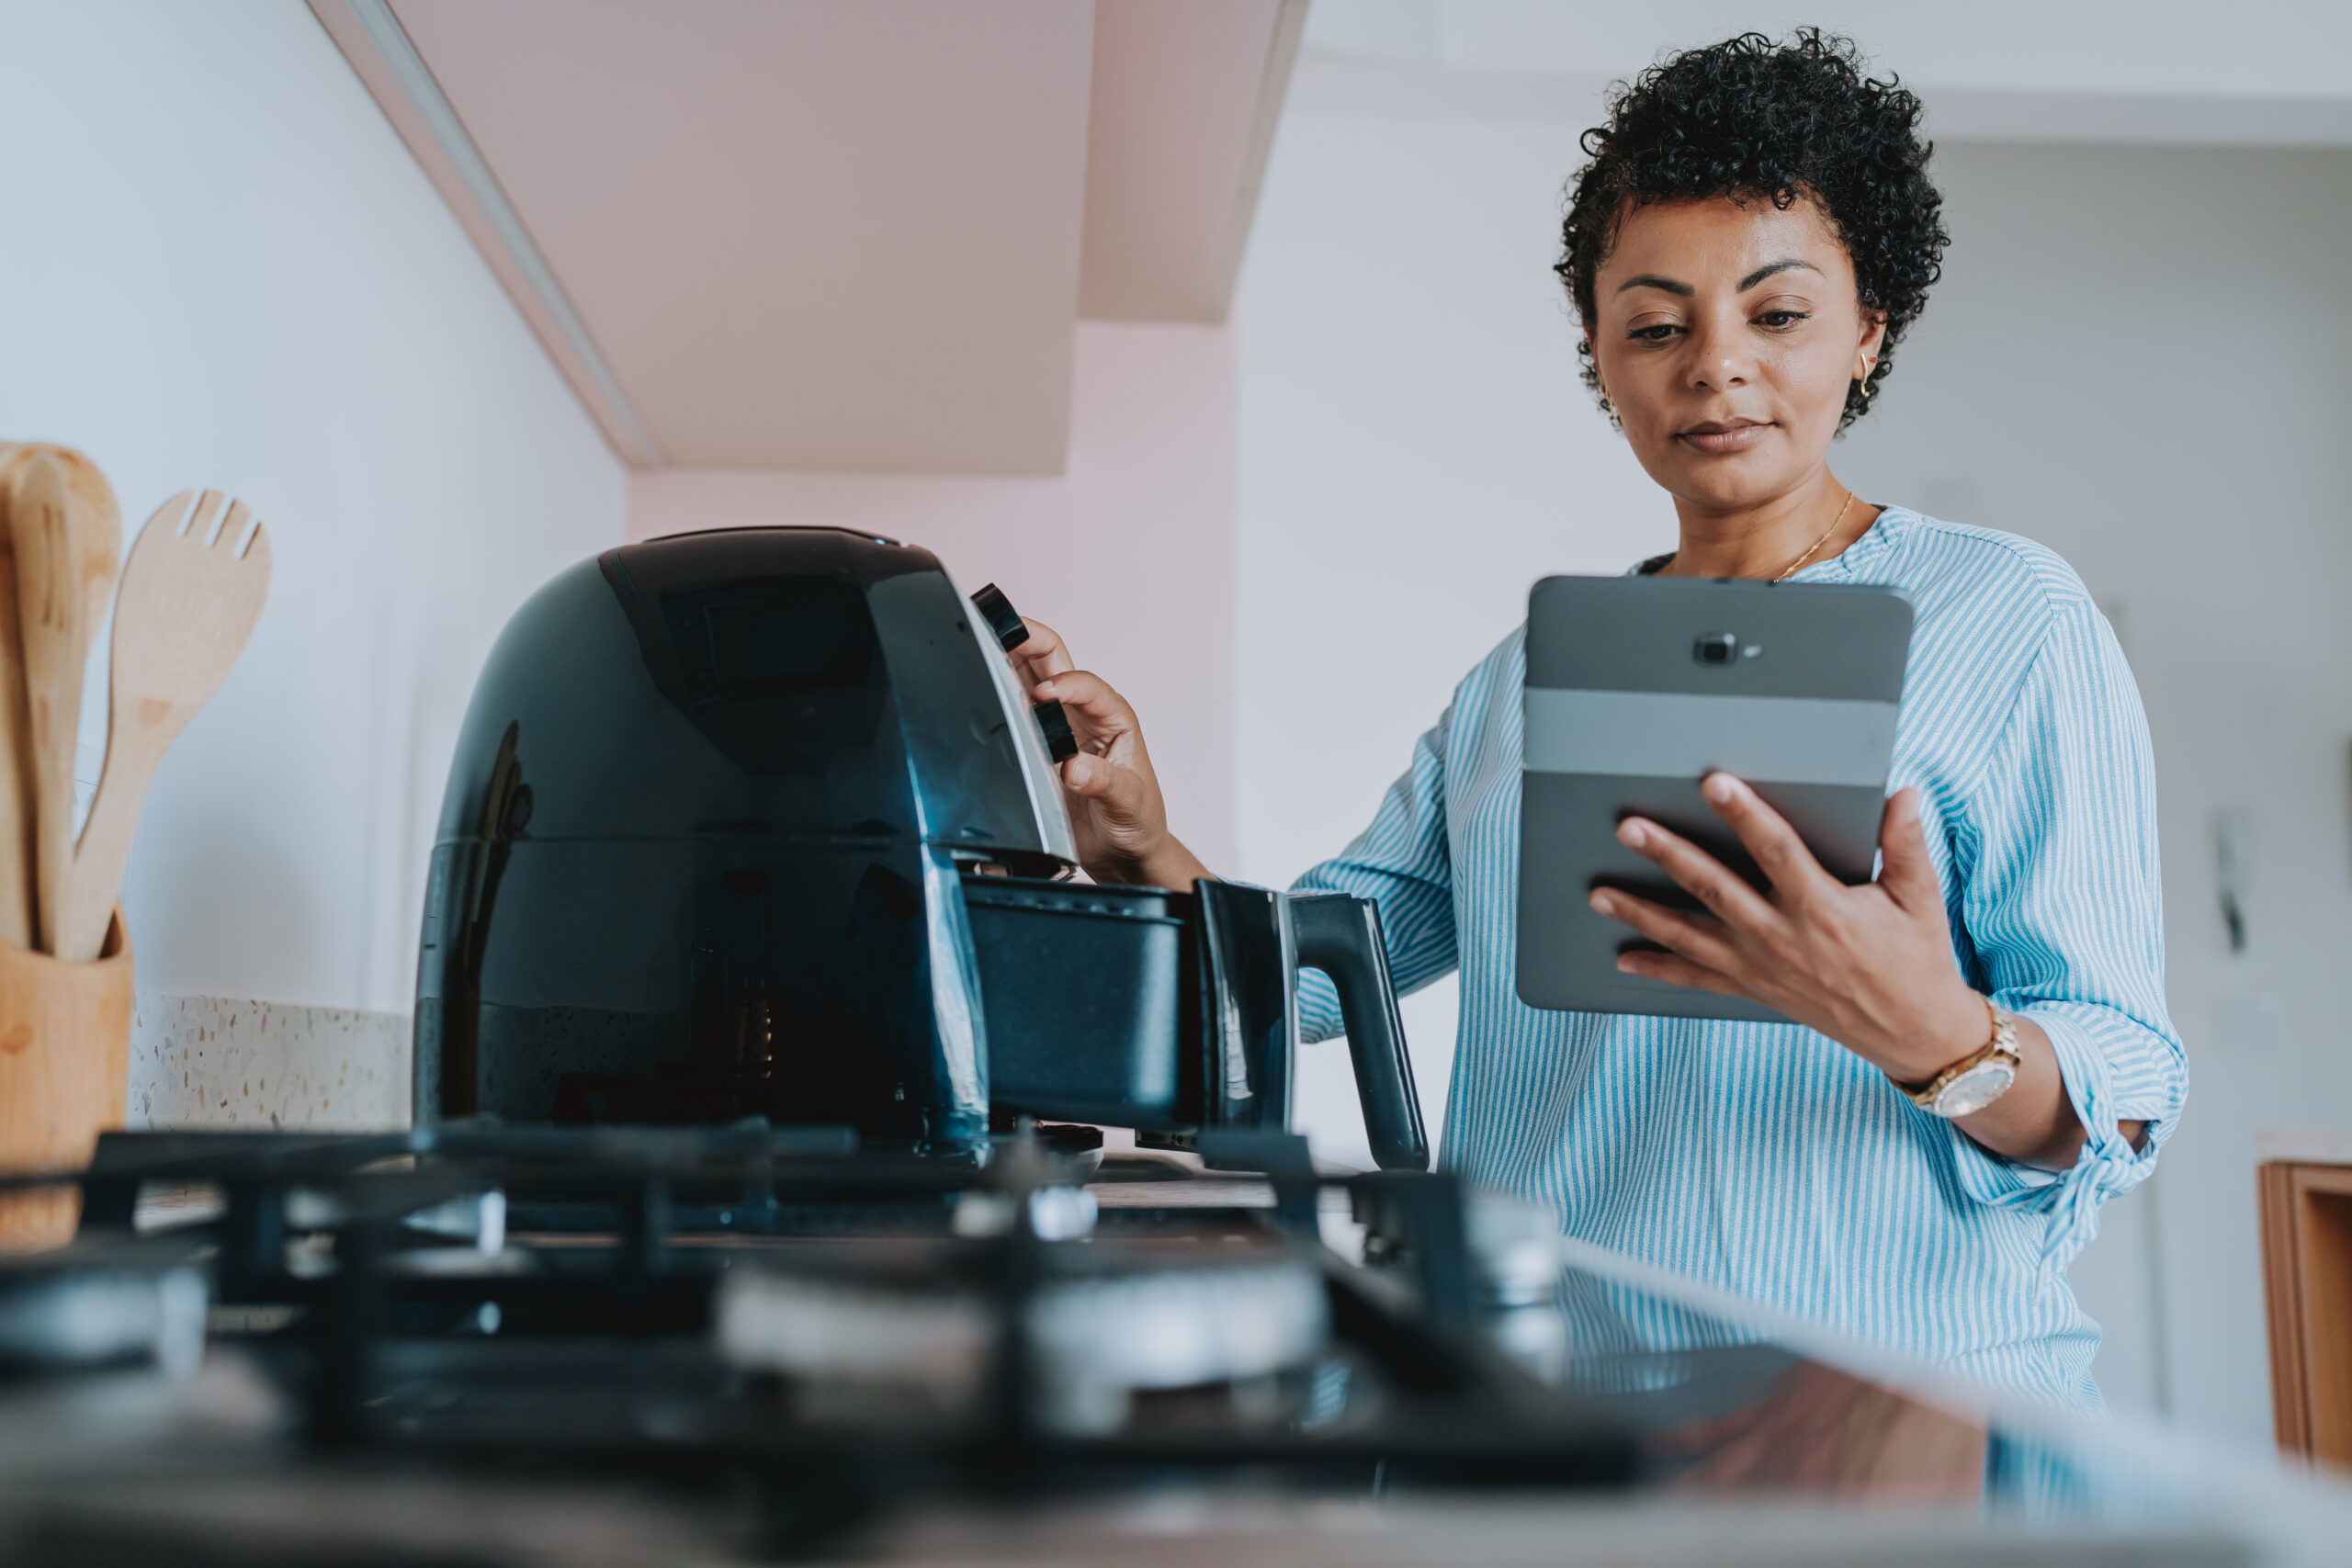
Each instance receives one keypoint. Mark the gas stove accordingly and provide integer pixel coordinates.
(777, 1317)
(477, 1344)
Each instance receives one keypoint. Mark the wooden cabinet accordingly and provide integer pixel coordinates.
(2307, 1275)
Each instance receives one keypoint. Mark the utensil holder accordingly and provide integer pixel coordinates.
(65, 1078)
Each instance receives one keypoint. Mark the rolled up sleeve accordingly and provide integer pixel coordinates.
(2064, 911)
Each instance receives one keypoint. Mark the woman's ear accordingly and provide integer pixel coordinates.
(1874, 339)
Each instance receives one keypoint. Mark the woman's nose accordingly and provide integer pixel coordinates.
(1719, 356)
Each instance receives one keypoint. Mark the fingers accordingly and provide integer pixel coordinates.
(1767, 836)
(1695, 937)
(1044, 655)
(1098, 712)
(1090, 776)
(1677, 970)
(1905, 870)
(1123, 793)
(1697, 872)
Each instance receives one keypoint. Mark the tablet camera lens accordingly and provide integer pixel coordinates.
(1716, 648)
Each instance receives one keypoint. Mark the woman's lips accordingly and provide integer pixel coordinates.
(1719, 436)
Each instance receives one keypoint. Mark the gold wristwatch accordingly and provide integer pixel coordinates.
(1977, 1080)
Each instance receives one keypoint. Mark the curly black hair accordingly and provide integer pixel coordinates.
(1750, 117)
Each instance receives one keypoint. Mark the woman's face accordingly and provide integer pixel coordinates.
(1727, 335)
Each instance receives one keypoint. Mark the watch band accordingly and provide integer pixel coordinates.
(1997, 1059)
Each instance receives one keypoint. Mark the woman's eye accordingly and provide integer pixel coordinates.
(1658, 333)
(1779, 321)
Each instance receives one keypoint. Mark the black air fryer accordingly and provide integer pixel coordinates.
(759, 823)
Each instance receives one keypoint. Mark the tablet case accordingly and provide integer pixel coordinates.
(1637, 688)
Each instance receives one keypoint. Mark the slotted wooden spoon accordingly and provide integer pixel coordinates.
(188, 602)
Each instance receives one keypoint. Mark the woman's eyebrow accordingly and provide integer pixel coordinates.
(1676, 286)
(1761, 273)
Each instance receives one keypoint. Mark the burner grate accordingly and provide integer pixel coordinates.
(782, 1305)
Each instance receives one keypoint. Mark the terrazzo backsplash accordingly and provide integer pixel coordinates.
(224, 1062)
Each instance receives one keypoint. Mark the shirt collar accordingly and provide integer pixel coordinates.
(1857, 562)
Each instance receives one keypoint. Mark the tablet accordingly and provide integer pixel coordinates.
(1637, 688)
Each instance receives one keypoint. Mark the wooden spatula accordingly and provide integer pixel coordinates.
(188, 602)
(49, 627)
(16, 784)
(98, 537)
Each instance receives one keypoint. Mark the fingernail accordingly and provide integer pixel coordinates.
(1631, 834)
(1625, 965)
(1603, 903)
(1721, 788)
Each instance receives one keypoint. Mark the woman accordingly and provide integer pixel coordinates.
(1752, 237)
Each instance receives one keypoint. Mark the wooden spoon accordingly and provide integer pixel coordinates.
(50, 624)
(98, 561)
(188, 605)
(99, 547)
(97, 521)
(16, 787)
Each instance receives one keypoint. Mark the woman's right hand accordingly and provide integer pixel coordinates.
(1116, 813)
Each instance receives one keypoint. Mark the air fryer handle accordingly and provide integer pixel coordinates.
(1340, 936)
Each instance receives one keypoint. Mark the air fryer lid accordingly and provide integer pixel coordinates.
(792, 680)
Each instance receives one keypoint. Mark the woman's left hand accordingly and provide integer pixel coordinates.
(1870, 966)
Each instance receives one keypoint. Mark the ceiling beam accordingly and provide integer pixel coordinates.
(380, 49)
(1186, 99)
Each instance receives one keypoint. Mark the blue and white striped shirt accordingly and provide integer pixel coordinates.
(1766, 1158)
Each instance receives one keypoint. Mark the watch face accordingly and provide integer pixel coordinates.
(1975, 1089)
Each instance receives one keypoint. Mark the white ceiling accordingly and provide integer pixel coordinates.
(1184, 112)
(2256, 48)
(810, 235)
(2276, 72)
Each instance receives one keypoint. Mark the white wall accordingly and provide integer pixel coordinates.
(2135, 356)
(1416, 450)
(222, 268)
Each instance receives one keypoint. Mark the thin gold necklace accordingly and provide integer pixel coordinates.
(1834, 521)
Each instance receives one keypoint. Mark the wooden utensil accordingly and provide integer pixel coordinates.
(97, 539)
(49, 627)
(96, 522)
(16, 787)
(188, 605)
(98, 546)
(97, 519)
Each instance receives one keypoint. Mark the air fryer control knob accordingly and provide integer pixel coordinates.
(1001, 618)
(1061, 744)
(1005, 621)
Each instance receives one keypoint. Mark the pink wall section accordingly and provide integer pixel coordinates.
(1130, 553)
